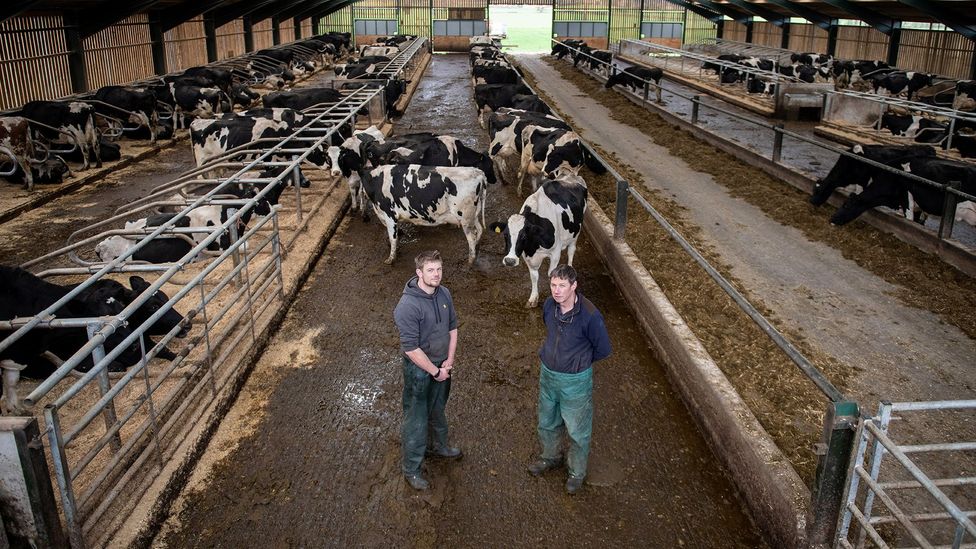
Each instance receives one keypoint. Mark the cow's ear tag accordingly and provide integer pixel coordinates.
(498, 229)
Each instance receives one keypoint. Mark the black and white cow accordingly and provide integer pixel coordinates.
(189, 100)
(140, 102)
(505, 131)
(427, 149)
(212, 138)
(484, 52)
(74, 118)
(760, 63)
(109, 151)
(849, 171)
(566, 47)
(635, 77)
(552, 153)
(216, 76)
(549, 221)
(15, 137)
(896, 82)
(25, 295)
(491, 97)
(965, 99)
(761, 86)
(302, 99)
(919, 128)
(349, 158)
(717, 68)
(530, 102)
(388, 51)
(168, 249)
(598, 60)
(429, 196)
(911, 197)
(805, 73)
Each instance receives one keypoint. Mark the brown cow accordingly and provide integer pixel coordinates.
(15, 137)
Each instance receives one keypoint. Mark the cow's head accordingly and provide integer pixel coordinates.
(853, 207)
(515, 224)
(157, 301)
(846, 169)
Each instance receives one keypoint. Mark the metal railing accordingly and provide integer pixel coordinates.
(902, 498)
(780, 132)
(780, 55)
(146, 410)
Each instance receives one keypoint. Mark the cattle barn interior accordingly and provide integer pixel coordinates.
(211, 209)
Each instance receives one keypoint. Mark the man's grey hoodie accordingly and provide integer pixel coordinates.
(425, 320)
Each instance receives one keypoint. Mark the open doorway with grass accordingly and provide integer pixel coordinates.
(526, 29)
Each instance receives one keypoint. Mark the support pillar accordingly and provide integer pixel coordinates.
(832, 38)
(298, 28)
(749, 31)
(248, 35)
(210, 30)
(719, 28)
(77, 68)
(275, 31)
(316, 23)
(972, 65)
(894, 41)
(157, 43)
(785, 41)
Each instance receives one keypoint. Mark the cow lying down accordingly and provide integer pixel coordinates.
(425, 195)
(39, 352)
(550, 221)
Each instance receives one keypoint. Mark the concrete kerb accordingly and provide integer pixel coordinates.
(905, 230)
(777, 499)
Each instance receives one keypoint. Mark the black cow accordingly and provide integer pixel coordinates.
(530, 102)
(494, 75)
(302, 99)
(897, 82)
(221, 78)
(920, 128)
(965, 95)
(50, 171)
(141, 102)
(811, 58)
(761, 86)
(561, 49)
(635, 77)
(108, 150)
(243, 95)
(74, 118)
(25, 295)
(505, 129)
(805, 73)
(731, 57)
(851, 171)
(490, 97)
(914, 198)
(189, 100)
(598, 60)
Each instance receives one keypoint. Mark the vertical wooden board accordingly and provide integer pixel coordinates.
(624, 23)
(263, 35)
(415, 17)
(31, 46)
(767, 34)
(861, 43)
(338, 21)
(230, 39)
(805, 37)
(734, 31)
(945, 53)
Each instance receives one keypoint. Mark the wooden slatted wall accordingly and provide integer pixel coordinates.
(286, 31)
(32, 46)
(262, 35)
(415, 17)
(306, 28)
(230, 39)
(804, 38)
(697, 29)
(767, 34)
(121, 53)
(861, 43)
(945, 53)
(337, 21)
(186, 45)
(734, 31)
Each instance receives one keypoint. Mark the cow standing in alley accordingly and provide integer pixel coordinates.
(428, 196)
(551, 153)
(549, 222)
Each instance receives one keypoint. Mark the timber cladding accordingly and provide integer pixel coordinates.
(32, 46)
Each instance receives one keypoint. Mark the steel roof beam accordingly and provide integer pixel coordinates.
(726, 9)
(330, 6)
(712, 16)
(15, 7)
(950, 18)
(226, 14)
(769, 15)
(882, 24)
(300, 9)
(177, 15)
(108, 13)
(804, 11)
(275, 9)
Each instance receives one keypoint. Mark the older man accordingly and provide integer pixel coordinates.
(576, 337)
(427, 323)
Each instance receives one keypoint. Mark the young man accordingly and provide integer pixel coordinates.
(576, 337)
(428, 338)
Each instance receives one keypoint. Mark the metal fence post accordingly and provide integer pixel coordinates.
(647, 90)
(834, 454)
(695, 101)
(62, 474)
(777, 142)
(620, 219)
(104, 386)
(949, 211)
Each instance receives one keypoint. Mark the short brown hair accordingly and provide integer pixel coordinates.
(426, 257)
(565, 272)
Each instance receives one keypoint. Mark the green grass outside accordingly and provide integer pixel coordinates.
(528, 27)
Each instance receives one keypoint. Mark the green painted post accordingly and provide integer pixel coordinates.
(834, 456)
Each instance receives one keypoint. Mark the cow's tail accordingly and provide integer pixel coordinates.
(484, 199)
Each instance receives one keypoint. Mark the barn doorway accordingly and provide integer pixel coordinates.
(526, 29)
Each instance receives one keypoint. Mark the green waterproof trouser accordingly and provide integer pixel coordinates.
(566, 402)
(424, 401)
